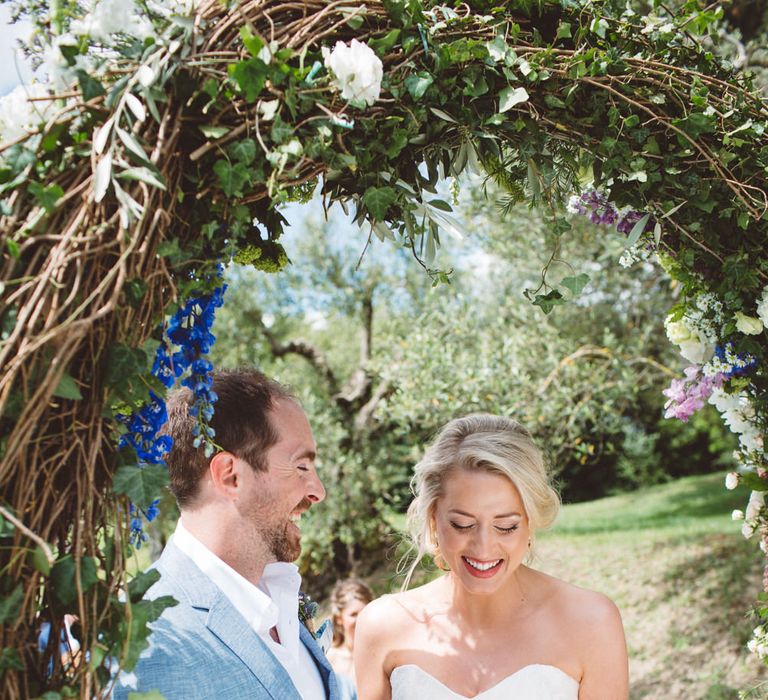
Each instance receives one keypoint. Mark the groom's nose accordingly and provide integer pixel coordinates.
(315, 489)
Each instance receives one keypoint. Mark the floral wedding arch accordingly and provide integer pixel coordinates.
(169, 134)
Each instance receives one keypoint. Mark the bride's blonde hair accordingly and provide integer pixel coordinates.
(479, 441)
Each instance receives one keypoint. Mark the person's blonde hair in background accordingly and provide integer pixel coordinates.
(348, 598)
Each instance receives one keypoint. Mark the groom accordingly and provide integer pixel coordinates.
(235, 632)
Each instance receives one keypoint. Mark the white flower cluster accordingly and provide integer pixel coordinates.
(738, 414)
(108, 17)
(753, 514)
(759, 642)
(357, 70)
(636, 254)
(694, 346)
(762, 307)
(21, 113)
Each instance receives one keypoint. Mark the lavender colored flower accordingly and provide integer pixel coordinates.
(688, 395)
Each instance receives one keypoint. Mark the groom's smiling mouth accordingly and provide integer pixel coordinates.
(482, 569)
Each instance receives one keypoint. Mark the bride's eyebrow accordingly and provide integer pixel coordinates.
(514, 514)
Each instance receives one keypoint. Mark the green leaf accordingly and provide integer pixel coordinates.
(381, 46)
(377, 201)
(637, 230)
(549, 301)
(46, 196)
(250, 76)
(68, 388)
(753, 482)
(417, 84)
(554, 102)
(564, 30)
(253, 43)
(9, 659)
(124, 363)
(40, 561)
(575, 283)
(509, 97)
(141, 485)
(243, 151)
(64, 580)
(135, 290)
(440, 204)
(143, 175)
(214, 132)
(232, 178)
(141, 583)
(89, 86)
(10, 605)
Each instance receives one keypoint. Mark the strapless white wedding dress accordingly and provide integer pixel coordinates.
(533, 682)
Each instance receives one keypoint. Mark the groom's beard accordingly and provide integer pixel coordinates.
(282, 539)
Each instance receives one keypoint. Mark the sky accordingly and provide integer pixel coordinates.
(13, 69)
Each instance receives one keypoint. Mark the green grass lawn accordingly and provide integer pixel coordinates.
(683, 576)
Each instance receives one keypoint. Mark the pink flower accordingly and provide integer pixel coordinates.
(688, 395)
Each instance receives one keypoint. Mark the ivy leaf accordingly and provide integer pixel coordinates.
(141, 484)
(141, 583)
(10, 605)
(124, 363)
(417, 84)
(575, 283)
(39, 560)
(232, 178)
(142, 613)
(250, 76)
(64, 580)
(381, 46)
(243, 151)
(46, 196)
(89, 86)
(377, 201)
(509, 97)
(68, 389)
(252, 42)
(549, 301)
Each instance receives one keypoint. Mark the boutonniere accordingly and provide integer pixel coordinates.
(307, 611)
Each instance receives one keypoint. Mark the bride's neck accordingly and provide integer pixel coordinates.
(483, 610)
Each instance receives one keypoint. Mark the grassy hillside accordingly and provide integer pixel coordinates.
(682, 575)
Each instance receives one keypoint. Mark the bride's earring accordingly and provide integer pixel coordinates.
(437, 557)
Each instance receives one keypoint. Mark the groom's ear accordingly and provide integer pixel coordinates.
(224, 472)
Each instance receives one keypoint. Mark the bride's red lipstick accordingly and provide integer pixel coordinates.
(482, 573)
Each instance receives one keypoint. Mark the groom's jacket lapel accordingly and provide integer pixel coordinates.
(182, 574)
(329, 679)
(230, 627)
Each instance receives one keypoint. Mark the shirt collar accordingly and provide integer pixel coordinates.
(255, 605)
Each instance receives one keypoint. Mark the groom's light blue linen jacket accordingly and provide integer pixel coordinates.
(203, 648)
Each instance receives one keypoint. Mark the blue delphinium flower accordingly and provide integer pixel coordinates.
(189, 331)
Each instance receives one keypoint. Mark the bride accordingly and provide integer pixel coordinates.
(490, 627)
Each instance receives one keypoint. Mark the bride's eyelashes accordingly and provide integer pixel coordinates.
(503, 530)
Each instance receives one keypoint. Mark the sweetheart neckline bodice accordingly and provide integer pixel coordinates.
(494, 688)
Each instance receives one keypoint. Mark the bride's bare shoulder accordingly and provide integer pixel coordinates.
(395, 610)
(579, 606)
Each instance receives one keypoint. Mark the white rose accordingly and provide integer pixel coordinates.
(762, 307)
(737, 515)
(109, 17)
(20, 116)
(692, 347)
(357, 70)
(731, 480)
(749, 325)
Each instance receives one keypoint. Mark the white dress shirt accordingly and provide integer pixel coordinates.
(274, 602)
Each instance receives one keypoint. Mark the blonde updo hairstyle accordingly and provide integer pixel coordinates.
(480, 441)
